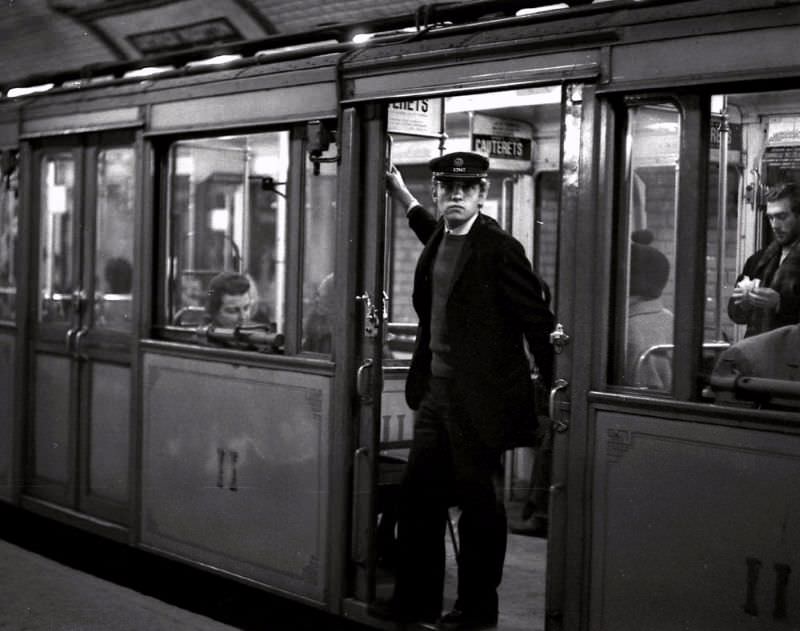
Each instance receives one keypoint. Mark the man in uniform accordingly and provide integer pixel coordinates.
(477, 299)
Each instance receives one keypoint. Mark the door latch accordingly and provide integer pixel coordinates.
(559, 338)
(372, 321)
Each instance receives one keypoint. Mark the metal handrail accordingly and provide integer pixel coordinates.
(401, 336)
(668, 347)
(258, 336)
(756, 387)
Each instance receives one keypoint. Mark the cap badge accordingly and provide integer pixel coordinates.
(458, 162)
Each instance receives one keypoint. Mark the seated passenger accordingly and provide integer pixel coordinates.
(318, 325)
(119, 276)
(771, 355)
(230, 300)
(191, 288)
(114, 306)
(649, 323)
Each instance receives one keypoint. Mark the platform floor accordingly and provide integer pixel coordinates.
(57, 578)
(38, 594)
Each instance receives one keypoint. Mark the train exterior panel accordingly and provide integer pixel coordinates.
(725, 488)
(270, 449)
(238, 481)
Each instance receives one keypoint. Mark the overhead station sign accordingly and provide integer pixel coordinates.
(507, 143)
(416, 117)
(783, 130)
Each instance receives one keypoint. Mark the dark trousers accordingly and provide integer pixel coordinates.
(449, 466)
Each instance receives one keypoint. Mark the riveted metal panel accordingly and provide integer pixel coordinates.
(268, 106)
(109, 432)
(51, 429)
(682, 512)
(235, 470)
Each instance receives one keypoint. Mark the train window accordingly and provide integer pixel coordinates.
(56, 265)
(9, 202)
(114, 238)
(643, 313)
(753, 246)
(228, 218)
(319, 231)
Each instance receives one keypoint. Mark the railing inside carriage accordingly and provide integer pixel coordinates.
(760, 391)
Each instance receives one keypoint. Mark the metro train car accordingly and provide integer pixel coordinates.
(631, 143)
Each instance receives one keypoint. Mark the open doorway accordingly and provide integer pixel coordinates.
(520, 131)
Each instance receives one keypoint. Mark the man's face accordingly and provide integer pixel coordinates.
(458, 200)
(235, 309)
(191, 292)
(785, 224)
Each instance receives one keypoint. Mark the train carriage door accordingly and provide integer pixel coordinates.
(78, 428)
(536, 140)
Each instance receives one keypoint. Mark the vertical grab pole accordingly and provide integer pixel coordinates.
(722, 207)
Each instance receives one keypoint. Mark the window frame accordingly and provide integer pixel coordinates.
(690, 238)
(162, 268)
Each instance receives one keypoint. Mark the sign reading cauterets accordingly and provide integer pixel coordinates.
(507, 143)
(416, 117)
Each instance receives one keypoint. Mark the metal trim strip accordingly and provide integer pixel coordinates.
(416, 83)
(125, 117)
(279, 105)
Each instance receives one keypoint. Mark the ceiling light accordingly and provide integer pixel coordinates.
(31, 89)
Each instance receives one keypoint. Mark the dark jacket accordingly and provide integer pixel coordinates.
(771, 355)
(785, 279)
(495, 300)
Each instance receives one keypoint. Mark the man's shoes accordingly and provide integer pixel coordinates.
(390, 611)
(458, 620)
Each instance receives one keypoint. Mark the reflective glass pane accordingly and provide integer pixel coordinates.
(9, 204)
(228, 231)
(114, 239)
(319, 232)
(56, 260)
(643, 317)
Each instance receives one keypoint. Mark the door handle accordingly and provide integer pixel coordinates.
(559, 424)
(364, 381)
(68, 339)
(79, 352)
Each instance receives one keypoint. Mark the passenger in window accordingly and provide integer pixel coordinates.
(318, 325)
(650, 324)
(771, 355)
(230, 299)
(191, 301)
(476, 298)
(192, 294)
(767, 292)
(114, 307)
(119, 276)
